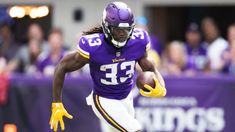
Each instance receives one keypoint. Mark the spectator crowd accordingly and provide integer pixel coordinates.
(204, 50)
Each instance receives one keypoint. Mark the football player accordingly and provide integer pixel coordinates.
(112, 51)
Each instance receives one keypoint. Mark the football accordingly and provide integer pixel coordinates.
(145, 78)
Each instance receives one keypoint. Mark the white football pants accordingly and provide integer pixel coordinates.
(115, 115)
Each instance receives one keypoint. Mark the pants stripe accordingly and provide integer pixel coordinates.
(105, 115)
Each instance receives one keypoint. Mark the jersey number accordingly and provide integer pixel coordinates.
(94, 39)
(111, 77)
(137, 34)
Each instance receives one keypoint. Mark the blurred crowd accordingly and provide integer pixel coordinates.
(37, 56)
(203, 51)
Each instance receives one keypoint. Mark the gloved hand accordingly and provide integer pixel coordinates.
(57, 113)
(158, 91)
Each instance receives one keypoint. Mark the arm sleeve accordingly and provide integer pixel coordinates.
(83, 48)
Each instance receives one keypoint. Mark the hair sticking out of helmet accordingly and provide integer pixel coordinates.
(117, 23)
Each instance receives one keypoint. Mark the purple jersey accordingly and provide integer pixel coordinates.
(197, 58)
(45, 62)
(229, 65)
(112, 69)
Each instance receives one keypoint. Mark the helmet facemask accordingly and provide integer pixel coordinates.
(118, 23)
(118, 35)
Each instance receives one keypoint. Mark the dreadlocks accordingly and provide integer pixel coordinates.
(97, 29)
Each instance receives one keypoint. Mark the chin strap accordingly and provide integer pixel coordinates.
(118, 44)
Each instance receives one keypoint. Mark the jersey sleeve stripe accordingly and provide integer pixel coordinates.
(148, 46)
(105, 115)
(83, 51)
(86, 56)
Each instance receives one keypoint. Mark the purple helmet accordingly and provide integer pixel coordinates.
(118, 23)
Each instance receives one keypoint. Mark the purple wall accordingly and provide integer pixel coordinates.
(202, 103)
